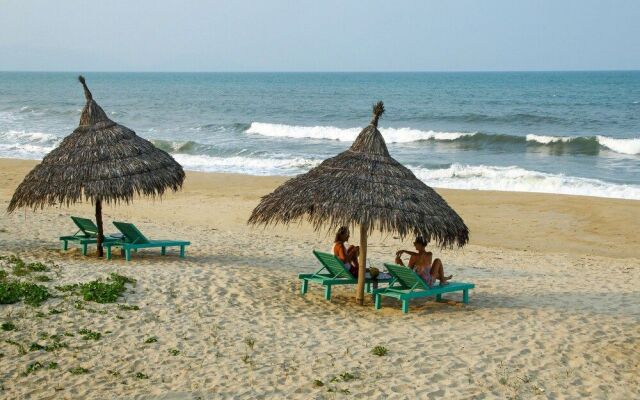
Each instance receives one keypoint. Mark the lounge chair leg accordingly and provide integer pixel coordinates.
(438, 297)
(84, 249)
(181, 251)
(163, 250)
(127, 254)
(376, 300)
(108, 248)
(305, 286)
(465, 296)
(65, 245)
(327, 292)
(367, 287)
(405, 306)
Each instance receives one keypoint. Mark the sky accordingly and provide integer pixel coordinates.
(325, 35)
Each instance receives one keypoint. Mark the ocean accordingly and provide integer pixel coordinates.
(553, 132)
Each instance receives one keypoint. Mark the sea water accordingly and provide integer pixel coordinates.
(555, 132)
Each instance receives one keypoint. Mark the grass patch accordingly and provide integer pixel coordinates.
(52, 365)
(56, 345)
(100, 291)
(318, 383)
(78, 370)
(33, 367)
(13, 291)
(88, 334)
(174, 352)
(20, 347)
(55, 311)
(20, 268)
(42, 278)
(152, 339)
(3, 275)
(140, 375)
(250, 342)
(8, 326)
(380, 351)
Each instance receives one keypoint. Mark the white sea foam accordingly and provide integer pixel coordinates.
(24, 136)
(24, 150)
(391, 135)
(516, 179)
(246, 165)
(623, 146)
(548, 139)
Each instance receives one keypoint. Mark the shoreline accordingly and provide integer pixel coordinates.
(523, 221)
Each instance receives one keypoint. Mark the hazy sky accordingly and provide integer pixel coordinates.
(319, 35)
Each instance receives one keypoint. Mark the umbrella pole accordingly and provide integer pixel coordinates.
(363, 267)
(99, 223)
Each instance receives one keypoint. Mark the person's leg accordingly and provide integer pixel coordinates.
(437, 271)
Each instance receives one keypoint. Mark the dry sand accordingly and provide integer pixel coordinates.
(555, 312)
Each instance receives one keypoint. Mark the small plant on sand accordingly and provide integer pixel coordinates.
(33, 367)
(250, 342)
(140, 375)
(127, 307)
(52, 365)
(380, 351)
(246, 359)
(152, 339)
(55, 311)
(78, 370)
(88, 334)
(105, 292)
(21, 349)
(3, 275)
(174, 352)
(8, 326)
(318, 383)
(42, 278)
(13, 291)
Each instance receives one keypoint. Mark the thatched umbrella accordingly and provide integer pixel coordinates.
(364, 186)
(101, 161)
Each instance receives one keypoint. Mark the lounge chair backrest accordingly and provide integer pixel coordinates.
(131, 233)
(333, 264)
(86, 226)
(406, 277)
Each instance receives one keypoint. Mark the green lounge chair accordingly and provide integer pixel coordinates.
(87, 234)
(134, 240)
(336, 274)
(407, 285)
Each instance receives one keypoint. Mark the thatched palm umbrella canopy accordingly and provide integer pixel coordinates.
(101, 161)
(364, 186)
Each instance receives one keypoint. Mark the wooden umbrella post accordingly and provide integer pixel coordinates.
(100, 238)
(363, 264)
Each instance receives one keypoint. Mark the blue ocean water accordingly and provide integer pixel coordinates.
(557, 132)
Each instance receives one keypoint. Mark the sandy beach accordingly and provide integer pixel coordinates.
(555, 312)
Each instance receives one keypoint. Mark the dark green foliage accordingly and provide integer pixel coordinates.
(78, 370)
(88, 334)
(52, 365)
(318, 383)
(68, 288)
(140, 375)
(20, 347)
(55, 311)
(33, 367)
(174, 352)
(152, 339)
(42, 278)
(20, 268)
(8, 326)
(56, 345)
(35, 347)
(13, 291)
(105, 292)
(3, 275)
(380, 351)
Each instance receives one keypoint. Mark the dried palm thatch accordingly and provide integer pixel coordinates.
(364, 186)
(101, 161)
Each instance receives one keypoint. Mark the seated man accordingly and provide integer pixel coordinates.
(421, 263)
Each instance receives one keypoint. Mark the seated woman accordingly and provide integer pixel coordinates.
(348, 256)
(421, 263)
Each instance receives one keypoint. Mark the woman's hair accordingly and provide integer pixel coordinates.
(343, 230)
(421, 240)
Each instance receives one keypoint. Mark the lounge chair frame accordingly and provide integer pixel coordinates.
(407, 285)
(134, 239)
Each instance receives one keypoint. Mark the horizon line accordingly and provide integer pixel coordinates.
(314, 72)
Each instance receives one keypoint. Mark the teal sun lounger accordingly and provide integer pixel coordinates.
(87, 234)
(134, 239)
(407, 285)
(333, 273)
